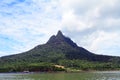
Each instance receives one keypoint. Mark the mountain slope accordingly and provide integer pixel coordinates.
(57, 48)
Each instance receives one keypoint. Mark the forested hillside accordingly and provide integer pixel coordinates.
(59, 50)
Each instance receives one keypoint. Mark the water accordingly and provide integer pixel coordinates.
(106, 75)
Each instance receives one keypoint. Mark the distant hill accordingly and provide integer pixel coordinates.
(61, 51)
(57, 48)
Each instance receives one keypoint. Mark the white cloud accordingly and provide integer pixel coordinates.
(92, 24)
(72, 22)
(85, 14)
(33, 26)
(100, 42)
(102, 38)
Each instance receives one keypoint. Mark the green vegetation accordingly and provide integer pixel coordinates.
(69, 66)
(32, 67)
(59, 50)
(87, 65)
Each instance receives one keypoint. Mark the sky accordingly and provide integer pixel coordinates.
(92, 24)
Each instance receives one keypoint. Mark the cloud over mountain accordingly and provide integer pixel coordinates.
(92, 24)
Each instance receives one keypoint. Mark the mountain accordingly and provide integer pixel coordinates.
(57, 48)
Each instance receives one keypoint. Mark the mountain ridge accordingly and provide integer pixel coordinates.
(59, 38)
(56, 48)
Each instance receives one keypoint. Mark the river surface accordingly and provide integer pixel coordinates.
(104, 75)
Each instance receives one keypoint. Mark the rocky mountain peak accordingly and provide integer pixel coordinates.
(60, 38)
(59, 34)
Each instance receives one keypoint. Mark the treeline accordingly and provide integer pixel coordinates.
(89, 65)
(49, 67)
(31, 67)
